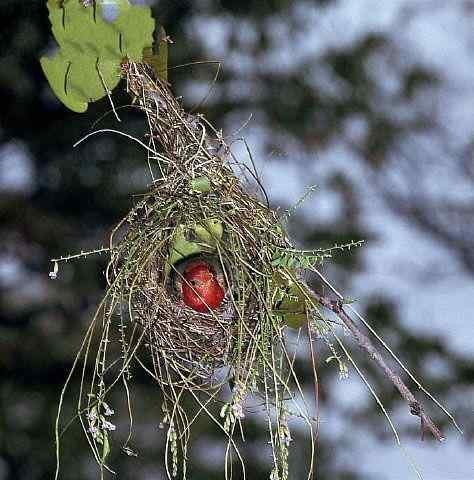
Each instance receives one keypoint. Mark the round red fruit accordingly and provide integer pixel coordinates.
(200, 287)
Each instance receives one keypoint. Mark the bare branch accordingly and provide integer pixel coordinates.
(416, 408)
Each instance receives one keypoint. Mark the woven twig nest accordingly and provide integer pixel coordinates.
(147, 266)
(198, 225)
(198, 218)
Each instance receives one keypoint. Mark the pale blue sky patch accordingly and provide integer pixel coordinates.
(17, 170)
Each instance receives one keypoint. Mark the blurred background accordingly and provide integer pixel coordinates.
(372, 102)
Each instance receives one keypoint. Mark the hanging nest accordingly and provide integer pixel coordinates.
(198, 211)
(198, 218)
(202, 286)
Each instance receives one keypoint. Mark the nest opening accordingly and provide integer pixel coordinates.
(161, 241)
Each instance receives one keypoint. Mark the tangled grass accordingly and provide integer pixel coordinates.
(200, 207)
(198, 202)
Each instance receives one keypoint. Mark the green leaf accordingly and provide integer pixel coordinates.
(91, 49)
(89, 78)
(159, 63)
(210, 231)
(181, 248)
(56, 70)
(82, 30)
(80, 82)
(136, 26)
(291, 301)
(105, 446)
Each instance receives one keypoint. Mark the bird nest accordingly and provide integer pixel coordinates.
(207, 217)
(196, 210)
(198, 218)
(199, 225)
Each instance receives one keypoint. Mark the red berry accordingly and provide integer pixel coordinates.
(200, 288)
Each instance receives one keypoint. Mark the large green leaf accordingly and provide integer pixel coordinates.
(79, 29)
(136, 26)
(89, 77)
(56, 70)
(91, 49)
(82, 81)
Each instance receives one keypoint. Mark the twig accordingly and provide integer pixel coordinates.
(416, 408)
(107, 91)
(55, 261)
(81, 254)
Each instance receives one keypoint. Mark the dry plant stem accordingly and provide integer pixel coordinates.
(364, 342)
